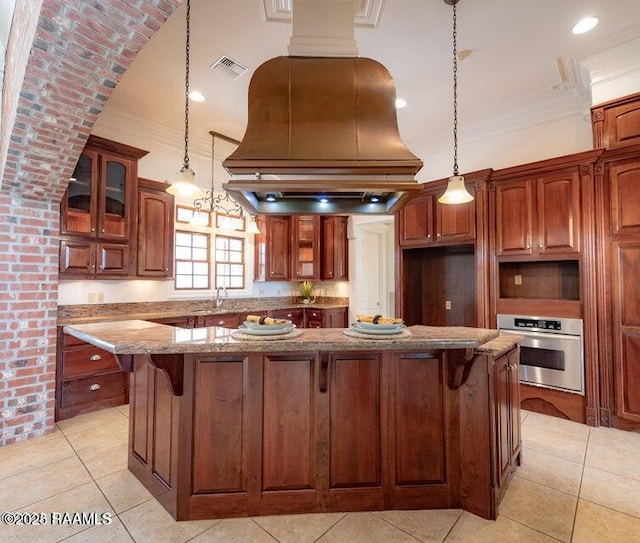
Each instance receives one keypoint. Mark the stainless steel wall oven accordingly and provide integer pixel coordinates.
(551, 351)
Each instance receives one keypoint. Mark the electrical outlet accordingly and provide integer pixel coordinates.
(517, 279)
(91, 297)
(100, 297)
(447, 304)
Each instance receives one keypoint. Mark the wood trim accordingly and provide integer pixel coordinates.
(543, 308)
(102, 144)
(553, 402)
(534, 169)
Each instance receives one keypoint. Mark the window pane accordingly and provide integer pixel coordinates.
(183, 281)
(235, 257)
(200, 254)
(184, 268)
(236, 282)
(183, 239)
(200, 281)
(200, 240)
(183, 253)
(235, 244)
(201, 268)
(236, 269)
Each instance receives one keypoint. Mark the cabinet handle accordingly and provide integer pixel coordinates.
(95, 357)
(93, 229)
(94, 387)
(103, 230)
(541, 246)
(438, 234)
(221, 323)
(528, 245)
(289, 315)
(428, 236)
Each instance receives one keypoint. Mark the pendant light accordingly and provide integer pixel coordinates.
(185, 185)
(456, 192)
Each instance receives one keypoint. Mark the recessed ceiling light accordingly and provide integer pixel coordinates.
(586, 24)
(324, 200)
(196, 96)
(400, 103)
(271, 198)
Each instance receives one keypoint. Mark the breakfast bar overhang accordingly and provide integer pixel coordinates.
(224, 427)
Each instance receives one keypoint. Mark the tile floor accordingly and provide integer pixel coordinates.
(577, 484)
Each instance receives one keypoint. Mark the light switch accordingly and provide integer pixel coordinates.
(447, 304)
(91, 297)
(517, 279)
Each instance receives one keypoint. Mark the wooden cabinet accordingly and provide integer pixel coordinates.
(98, 210)
(506, 415)
(539, 216)
(327, 318)
(335, 248)
(223, 320)
(616, 124)
(305, 247)
(295, 315)
(87, 378)
(424, 221)
(273, 248)
(155, 230)
(258, 433)
(301, 247)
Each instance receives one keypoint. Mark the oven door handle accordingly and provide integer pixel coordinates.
(541, 335)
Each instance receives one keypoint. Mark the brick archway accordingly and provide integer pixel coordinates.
(79, 53)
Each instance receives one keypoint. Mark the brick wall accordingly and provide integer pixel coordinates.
(79, 52)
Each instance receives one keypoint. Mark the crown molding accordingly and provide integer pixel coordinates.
(368, 13)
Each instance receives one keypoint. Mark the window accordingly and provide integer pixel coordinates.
(229, 259)
(192, 260)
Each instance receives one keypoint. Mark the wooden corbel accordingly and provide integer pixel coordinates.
(459, 366)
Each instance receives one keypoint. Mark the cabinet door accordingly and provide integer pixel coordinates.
(622, 125)
(289, 433)
(501, 392)
(112, 259)
(315, 318)
(335, 248)
(155, 234)
(77, 257)
(277, 248)
(558, 203)
(305, 250)
(79, 205)
(355, 455)
(626, 328)
(514, 227)
(456, 223)
(625, 197)
(416, 222)
(335, 318)
(296, 316)
(114, 197)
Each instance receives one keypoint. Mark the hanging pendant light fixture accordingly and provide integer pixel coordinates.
(185, 184)
(456, 192)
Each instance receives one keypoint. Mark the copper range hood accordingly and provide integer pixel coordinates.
(321, 128)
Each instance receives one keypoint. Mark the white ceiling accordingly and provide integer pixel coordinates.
(511, 77)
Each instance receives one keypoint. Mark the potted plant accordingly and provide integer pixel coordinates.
(306, 287)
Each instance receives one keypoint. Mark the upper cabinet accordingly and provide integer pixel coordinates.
(155, 230)
(538, 216)
(424, 221)
(616, 124)
(301, 247)
(305, 253)
(273, 248)
(98, 211)
(335, 248)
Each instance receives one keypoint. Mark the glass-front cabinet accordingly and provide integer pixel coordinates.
(306, 247)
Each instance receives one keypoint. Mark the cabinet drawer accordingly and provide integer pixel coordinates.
(228, 320)
(93, 389)
(314, 314)
(314, 324)
(71, 341)
(90, 360)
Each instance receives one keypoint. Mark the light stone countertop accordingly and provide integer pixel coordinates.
(138, 337)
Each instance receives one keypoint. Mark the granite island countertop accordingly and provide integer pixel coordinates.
(140, 337)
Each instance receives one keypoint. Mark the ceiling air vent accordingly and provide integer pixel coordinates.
(229, 67)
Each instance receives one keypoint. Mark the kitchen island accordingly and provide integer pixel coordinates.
(223, 426)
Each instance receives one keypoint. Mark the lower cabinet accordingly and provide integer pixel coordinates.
(505, 387)
(87, 378)
(265, 433)
(223, 320)
(295, 315)
(327, 318)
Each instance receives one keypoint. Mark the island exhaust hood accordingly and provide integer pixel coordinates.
(321, 128)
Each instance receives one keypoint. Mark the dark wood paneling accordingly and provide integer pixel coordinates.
(553, 402)
(419, 421)
(416, 222)
(140, 385)
(628, 381)
(456, 223)
(355, 456)
(162, 427)
(288, 448)
(550, 279)
(218, 452)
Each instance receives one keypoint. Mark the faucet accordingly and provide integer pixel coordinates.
(218, 300)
